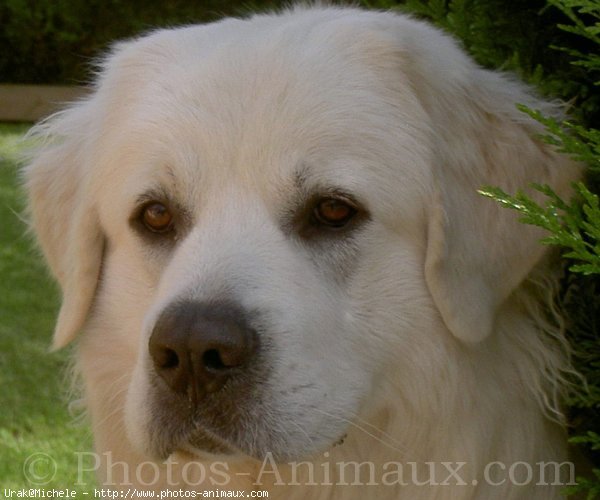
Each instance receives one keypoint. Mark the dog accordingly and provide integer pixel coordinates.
(272, 248)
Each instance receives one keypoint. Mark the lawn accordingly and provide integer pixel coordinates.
(38, 435)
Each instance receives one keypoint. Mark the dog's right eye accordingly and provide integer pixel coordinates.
(334, 212)
(157, 217)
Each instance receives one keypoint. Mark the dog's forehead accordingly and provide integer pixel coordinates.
(258, 101)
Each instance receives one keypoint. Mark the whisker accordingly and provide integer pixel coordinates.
(362, 421)
(303, 431)
(370, 434)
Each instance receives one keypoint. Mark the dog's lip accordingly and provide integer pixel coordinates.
(202, 442)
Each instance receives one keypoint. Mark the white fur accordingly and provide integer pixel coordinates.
(424, 342)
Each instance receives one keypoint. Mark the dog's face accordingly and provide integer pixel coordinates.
(255, 235)
(279, 216)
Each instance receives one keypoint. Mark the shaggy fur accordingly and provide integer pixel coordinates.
(416, 337)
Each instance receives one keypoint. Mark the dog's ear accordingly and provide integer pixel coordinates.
(478, 252)
(62, 215)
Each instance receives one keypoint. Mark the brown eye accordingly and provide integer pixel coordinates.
(334, 212)
(157, 217)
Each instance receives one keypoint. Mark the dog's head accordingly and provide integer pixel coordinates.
(281, 214)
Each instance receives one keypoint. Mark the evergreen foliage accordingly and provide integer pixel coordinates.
(54, 41)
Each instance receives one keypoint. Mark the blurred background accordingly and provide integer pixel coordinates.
(48, 49)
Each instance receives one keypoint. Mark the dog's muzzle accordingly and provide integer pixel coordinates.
(197, 347)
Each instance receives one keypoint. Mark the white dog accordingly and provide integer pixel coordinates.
(269, 234)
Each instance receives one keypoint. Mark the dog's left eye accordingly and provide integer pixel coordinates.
(334, 212)
(157, 217)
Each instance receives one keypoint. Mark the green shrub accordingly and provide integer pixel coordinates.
(53, 41)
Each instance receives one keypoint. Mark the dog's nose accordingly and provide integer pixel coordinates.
(196, 347)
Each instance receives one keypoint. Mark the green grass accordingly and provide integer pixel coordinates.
(34, 415)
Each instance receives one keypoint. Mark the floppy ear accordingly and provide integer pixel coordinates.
(478, 252)
(63, 218)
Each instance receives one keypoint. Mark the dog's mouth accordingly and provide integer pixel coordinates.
(182, 429)
(199, 437)
(202, 442)
(205, 445)
(208, 432)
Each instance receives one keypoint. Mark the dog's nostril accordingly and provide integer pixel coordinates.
(168, 359)
(212, 360)
(164, 358)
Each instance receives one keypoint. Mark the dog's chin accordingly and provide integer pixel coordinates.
(203, 444)
(197, 442)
